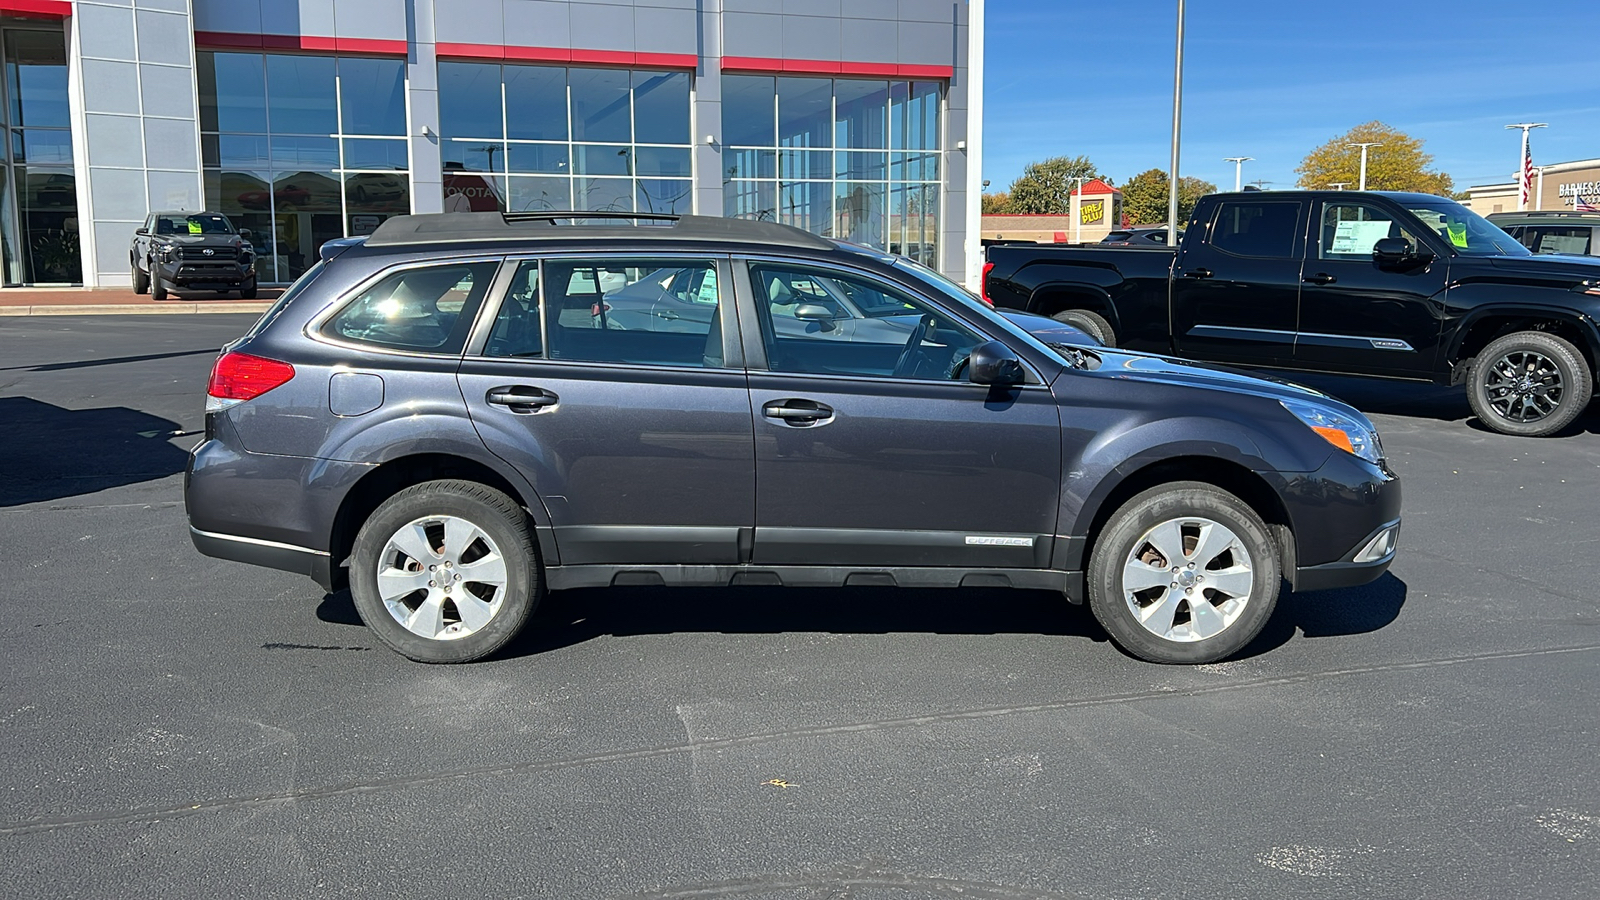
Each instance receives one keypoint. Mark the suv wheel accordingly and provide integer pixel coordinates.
(141, 279)
(1530, 383)
(1183, 573)
(247, 291)
(1083, 320)
(445, 571)
(158, 288)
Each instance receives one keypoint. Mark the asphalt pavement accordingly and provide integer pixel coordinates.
(178, 726)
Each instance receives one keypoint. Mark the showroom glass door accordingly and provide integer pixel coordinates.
(38, 191)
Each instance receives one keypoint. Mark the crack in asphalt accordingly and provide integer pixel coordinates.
(848, 876)
(157, 814)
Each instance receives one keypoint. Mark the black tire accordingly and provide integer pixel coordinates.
(498, 517)
(158, 288)
(1126, 532)
(1083, 320)
(248, 290)
(141, 279)
(1523, 372)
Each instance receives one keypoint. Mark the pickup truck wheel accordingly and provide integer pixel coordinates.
(248, 291)
(141, 280)
(158, 288)
(1530, 383)
(445, 571)
(1083, 320)
(1183, 573)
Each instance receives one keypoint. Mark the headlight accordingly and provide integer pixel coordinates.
(1337, 429)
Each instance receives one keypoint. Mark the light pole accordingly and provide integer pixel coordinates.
(1524, 162)
(1177, 121)
(1238, 169)
(1077, 217)
(1364, 147)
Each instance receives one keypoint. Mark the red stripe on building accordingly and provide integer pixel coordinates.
(229, 40)
(833, 67)
(564, 55)
(36, 9)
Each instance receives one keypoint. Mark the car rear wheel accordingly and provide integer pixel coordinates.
(1092, 323)
(141, 279)
(445, 571)
(1184, 573)
(1530, 383)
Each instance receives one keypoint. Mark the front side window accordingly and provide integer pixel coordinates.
(824, 322)
(633, 311)
(1557, 239)
(427, 309)
(1350, 230)
(1467, 233)
(1256, 228)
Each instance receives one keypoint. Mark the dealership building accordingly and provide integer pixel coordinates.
(1554, 187)
(305, 120)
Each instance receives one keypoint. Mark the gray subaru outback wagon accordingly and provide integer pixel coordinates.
(451, 418)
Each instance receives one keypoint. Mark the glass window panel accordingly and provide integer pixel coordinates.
(805, 112)
(750, 200)
(233, 92)
(858, 165)
(244, 151)
(925, 97)
(614, 310)
(807, 205)
(660, 195)
(914, 167)
(536, 103)
(48, 201)
(661, 107)
(300, 95)
(538, 158)
(603, 194)
(36, 72)
(469, 100)
(429, 308)
(245, 198)
(805, 164)
(42, 146)
(749, 113)
(372, 95)
(749, 164)
(861, 118)
(516, 325)
(371, 197)
(302, 226)
(601, 160)
(473, 156)
(914, 221)
(540, 194)
(600, 105)
(306, 190)
(663, 162)
(862, 209)
(899, 96)
(466, 192)
(304, 153)
(376, 154)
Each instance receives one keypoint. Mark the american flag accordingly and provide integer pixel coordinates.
(1581, 205)
(1527, 173)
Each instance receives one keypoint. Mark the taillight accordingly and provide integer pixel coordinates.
(237, 377)
(983, 284)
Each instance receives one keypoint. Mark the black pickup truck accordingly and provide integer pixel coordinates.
(192, 251)
(1392, 285)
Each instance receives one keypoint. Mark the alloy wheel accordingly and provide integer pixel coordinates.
(1524, 386)
(441, 577)
(1188, 579)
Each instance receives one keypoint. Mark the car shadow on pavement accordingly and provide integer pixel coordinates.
(1337, 613)
(50, 452)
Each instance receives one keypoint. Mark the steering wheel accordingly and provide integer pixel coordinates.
(906, 365)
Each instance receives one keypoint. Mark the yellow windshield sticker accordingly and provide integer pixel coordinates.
(194, 226)
(1458, 234)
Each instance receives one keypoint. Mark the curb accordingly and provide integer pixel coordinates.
(134, 309)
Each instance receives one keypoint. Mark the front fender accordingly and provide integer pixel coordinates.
(1474, 303)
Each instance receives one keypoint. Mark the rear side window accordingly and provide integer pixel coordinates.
(636, 311)
(426, 309)
(1557, 239)
(1256, 227)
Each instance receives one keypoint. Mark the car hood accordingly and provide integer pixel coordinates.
(1577, 268)
(202, 240)
(1186, 373)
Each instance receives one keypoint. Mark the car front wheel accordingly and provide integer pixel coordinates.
(1530, 383)
(158, 288)
(248, 290)
(1184, 573)
(445, 571)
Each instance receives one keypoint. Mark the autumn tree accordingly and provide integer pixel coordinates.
(1045, 187)
(1144, 197)
(1396, 164)
(996, 204)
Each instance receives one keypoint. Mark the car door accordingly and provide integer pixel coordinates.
(638, 441)
(1357, 315)
(1236, 285)
(887, 455)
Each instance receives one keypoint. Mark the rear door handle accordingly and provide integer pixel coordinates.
(1197, 273)
(798, 413)
(521, 399)
(1319, 278)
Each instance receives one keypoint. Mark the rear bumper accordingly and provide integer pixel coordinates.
(271, 554)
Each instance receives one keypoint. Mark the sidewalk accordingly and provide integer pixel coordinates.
(123, 301)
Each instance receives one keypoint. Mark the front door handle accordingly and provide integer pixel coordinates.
(1319, 278)
(799, 413)
(1197, 273)
(521, 399)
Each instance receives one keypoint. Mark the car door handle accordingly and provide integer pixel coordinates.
(521, 399)
(1319, 278)
(799, 413)
(1197, 273)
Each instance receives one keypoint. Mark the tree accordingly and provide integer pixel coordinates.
(1397, 164)
(996, 204)
(1144, 197)
(1045, 188)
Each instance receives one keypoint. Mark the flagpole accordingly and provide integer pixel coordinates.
(1524, 163)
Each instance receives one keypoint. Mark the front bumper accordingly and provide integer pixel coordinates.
(1346, 522)
(203, 275)
(1357, 569)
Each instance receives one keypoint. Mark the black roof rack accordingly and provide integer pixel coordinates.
(473, 227)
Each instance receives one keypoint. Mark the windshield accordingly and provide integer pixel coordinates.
(955, 292)
(1467, 233)
(204, 224)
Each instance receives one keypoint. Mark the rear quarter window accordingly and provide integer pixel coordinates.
(423, 309)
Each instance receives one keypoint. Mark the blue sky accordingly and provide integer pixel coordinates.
(1273, 79)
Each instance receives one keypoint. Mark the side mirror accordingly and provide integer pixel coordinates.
(1392, 251)
(993, 363)
(813, 312)
(142, 231)
(246, 233)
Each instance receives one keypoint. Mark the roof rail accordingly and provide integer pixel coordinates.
(548, 215)
(541, 226)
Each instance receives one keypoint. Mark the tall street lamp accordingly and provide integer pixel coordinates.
(1177, 120)
(1238, 169)
(1338, 185)
(1364, 147)
(1525, 162)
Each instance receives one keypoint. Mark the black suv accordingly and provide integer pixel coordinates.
(448, 419)
(199, 251)
(1567, 233)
